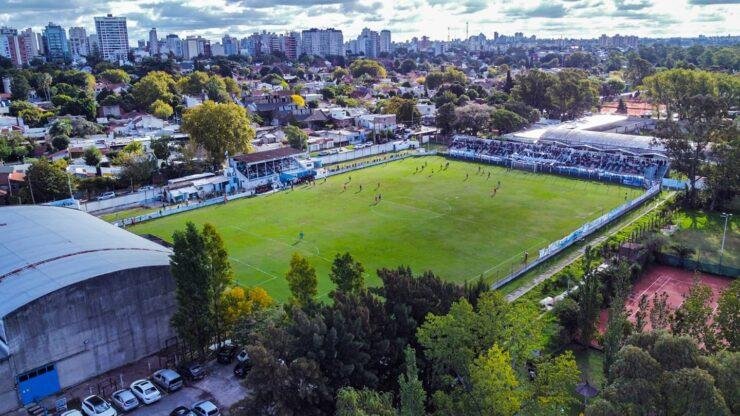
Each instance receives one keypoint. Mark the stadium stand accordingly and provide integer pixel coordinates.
(276, 168)
(552, 156)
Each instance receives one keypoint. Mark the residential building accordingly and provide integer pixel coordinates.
(31, 43)
(92, 44)
(78, 42)
(322, 42)
(112, 37)
(368, 43)
(55, 43)
(217, 49)
(385, 41)
(153, 42)
(174, 45)
(10, 46)
(230, 45)
(290, 44)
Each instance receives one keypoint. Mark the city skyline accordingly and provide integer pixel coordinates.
(406, 18)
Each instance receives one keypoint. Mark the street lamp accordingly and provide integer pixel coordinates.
(726, 216)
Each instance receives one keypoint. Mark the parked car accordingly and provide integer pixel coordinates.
(205, 408)
(97, 406)
(182, 411)
(226, 354)
(167, 379)
(106, 195)
(242, 368)
(73, 412)
(146, 188)
(145, 391)
(242, 356)
(192, 370)
(124, 400)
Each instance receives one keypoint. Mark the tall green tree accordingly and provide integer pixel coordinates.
(693, 317)
(347, 273)
(297, 138)
(554, 385)
(589, 299)
(302, 282)
(189, 263)
(411, 393)
(220, 275)
(45, 181)
(727, 318)
(365, 402)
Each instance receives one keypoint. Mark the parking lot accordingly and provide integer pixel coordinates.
(220, 386)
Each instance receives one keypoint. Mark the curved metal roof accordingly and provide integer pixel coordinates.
(43, 249)
(604, 140)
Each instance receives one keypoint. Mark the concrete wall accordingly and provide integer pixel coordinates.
(91, 327)
(136, 198)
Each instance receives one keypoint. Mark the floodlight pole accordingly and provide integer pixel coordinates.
(724, 234)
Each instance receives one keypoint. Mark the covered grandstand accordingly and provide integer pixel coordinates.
(271, 168)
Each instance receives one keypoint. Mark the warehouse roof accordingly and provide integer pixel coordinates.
(44, 249)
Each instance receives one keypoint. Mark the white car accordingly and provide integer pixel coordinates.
(125, 400)
(97, 406)
(205, 408)
(146, 188)
(73, 412)
(106, 195)
(145, 391)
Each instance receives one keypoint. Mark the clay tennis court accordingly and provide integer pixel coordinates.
(675, 282)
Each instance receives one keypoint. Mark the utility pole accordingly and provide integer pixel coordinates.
(30, 188)
(726, 216)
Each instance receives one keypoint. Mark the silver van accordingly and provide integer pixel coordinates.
(168, 379)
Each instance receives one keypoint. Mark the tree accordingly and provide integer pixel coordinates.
(347, 273)
(637, 69)
(61, 127)
(617, 327)
(60, 142)
(572, 93)
(704, 399)
(532, 89)
(621, 107)
(365, 402)
(161, 109)
(589, 300)
(92, 156)
(156, 85)
(46, 182)
(13, 146)
(728, 316)
(509, 83)
(567, 312)
(693, 316)
(473, 118)
(411, 394)
(369, 67)
(297, 138)
(302, 282)
(219, 128)
(660, 314)
(215, 90)
(242, 311)
(612, 87)
(445, 118)
(404, 109)
(220, 275)
(555, 383)
(115, 76)
(19, 87)
(580, 60)
(298, 100)
(495, 386)
(407, 66)
(723, 176)
(193, 316)
(160, 147)
(506, 121)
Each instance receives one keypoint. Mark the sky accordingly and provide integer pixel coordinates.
(405, 18)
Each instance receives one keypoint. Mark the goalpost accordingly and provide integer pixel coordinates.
(522, 165)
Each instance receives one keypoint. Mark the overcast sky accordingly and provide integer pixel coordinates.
(405, 18)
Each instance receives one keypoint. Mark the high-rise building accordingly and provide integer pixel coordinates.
(289, 44)
(385, 41)
(368, 43)
(153, 42)
(230, 44)
(194, 46)
(322, 42)
(11, 46)
(92, 43)
(78, 42)
(31, 43)
(55, 43)
(112, 37)
(174, 45)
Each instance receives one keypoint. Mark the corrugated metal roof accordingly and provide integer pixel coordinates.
(43, 249)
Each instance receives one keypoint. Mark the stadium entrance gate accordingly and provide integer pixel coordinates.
(38, 383)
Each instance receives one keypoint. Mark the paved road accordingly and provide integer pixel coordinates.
(220, 386)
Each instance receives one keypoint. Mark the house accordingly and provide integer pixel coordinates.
(201, 185)
(377, 122)
(12, 178)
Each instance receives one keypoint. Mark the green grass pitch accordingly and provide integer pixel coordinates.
(434, 220)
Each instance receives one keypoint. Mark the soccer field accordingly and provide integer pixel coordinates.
(434, 220)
